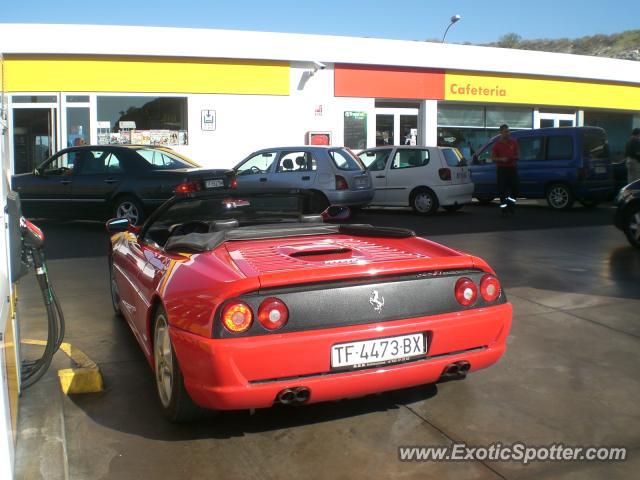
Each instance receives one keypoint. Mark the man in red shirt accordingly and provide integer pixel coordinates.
(505, 153)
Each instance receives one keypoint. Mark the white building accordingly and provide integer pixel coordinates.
(218, 95)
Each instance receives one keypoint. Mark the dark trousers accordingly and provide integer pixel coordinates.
(507, 184)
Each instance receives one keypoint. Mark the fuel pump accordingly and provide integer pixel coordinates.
(26, 250)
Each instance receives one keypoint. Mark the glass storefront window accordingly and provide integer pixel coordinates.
(77, 98)
(77, 126)
(516, 118)
(34, 99)
(467, 140)
(618, 127)
(460, 116)
(384, 130)
(469, 127)
(142, 120)
(409, 125)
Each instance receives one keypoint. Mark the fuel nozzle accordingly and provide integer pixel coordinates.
(31, 235)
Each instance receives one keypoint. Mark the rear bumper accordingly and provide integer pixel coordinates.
(243, 373)
(350, 197)
(460, 194)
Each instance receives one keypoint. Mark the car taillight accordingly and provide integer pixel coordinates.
(188, 187)
(445, 174)
(237, 317)
(489, 288)
(341, 183)
(273, 313)
(233, 184)
(466, 292)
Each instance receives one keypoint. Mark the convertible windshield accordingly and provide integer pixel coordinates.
(205, 213)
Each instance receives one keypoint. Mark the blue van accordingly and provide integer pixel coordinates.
(560, 164)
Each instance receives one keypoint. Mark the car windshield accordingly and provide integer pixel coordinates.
(160, 159)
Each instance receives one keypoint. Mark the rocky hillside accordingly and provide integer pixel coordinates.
(625, 45)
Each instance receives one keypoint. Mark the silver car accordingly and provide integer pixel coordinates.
(334, 174)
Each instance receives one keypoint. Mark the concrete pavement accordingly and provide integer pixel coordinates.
(569, 375)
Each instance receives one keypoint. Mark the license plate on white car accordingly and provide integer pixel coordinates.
(380, 351)
(214, 183)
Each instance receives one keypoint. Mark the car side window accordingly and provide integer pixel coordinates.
(296, 162)
(410, 158)
(98, 162)
(531, 149)
(452, 157)
(375, 160)
(257, 164)
(560, 147)
(484, 156)
(161, 161)
(61, 165)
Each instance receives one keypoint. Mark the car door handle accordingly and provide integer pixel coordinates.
(306, 178)
(380, 176)
(263, 179)
(111, 180)
(65, 182)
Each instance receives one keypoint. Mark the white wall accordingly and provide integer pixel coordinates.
(245, 123)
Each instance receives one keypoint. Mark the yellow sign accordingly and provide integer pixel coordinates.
(145, 74)
(538, 91)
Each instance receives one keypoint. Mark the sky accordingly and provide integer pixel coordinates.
(482, 21)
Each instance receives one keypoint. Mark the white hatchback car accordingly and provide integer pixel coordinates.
(424, 178)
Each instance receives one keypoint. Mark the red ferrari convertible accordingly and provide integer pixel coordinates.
(240, 301)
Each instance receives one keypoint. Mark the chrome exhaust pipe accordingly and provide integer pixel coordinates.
(302, 394)
(450, 370)
(463, 367)
(286, 396)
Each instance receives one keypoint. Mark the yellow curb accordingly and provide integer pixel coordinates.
(84, 379)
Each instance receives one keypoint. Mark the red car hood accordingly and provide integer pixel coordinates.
(277, 262)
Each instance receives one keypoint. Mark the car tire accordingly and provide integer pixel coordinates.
(631, 225)
(485, 200)
(115, 294)
(559, 196)
(452, 208)
(175, 401)
(319, 202)
(424, 202)
(129, 207)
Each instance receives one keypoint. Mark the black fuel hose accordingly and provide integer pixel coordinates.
(33, 370)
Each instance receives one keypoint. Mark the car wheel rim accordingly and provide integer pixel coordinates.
(634, 226)
(163, 357)
(558, 197)
(129, 211)
(423, 202)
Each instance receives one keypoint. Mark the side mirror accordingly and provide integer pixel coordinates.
(116, 225)
(335, 213)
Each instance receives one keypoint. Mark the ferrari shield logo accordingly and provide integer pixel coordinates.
(377, 301)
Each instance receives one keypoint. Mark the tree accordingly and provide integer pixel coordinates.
(510, 40)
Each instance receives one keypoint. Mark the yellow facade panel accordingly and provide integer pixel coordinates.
(468, 87)
(148, 75)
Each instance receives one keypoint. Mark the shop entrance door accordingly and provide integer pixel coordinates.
(396, 126)
(557, 120)
(34, 137)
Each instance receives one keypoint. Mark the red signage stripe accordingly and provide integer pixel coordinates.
(388, 82)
